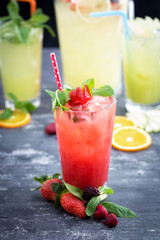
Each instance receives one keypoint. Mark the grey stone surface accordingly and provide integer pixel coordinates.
(27, 152)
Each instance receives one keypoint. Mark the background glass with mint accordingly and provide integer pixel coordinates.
(20, 54)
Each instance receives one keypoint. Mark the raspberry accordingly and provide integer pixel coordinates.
(90, 192)
(50, 129)
(111, 220)
(101, 212)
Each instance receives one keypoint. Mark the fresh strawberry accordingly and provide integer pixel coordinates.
(46, 189)
(79, 96)
(73, 205)
(46, 181)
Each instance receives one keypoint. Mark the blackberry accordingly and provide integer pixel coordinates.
(90, 192)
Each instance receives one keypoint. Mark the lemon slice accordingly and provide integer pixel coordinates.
(121, 121)
(85, 7)
(18, 119)
(130, 139)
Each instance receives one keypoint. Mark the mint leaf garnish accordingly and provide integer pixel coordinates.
(74, 190)
(90, 84)
(51, 93)
(7, 113)
(13, 97)
(92, 205)
(24, 106)
(5, 18)
(39, 18)
(105, 190)
(59, 98)
(104, 91)
(49, 29)
(118, 210)
(21, 28)
(13, 9)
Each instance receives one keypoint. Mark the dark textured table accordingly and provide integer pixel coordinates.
(27, 152)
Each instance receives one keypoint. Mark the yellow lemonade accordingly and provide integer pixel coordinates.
(90, 48)
(20, 65)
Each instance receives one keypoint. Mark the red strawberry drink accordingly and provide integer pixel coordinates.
(84, 132)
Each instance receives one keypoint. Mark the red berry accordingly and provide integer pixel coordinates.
(111, 220)
(46, 190)
(73, 205)
(79, 96)
(50, 129)
(101, 212)
(86, 90)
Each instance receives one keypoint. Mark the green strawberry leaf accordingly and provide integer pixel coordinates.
(39, 180)
(56, 187)
(104, 91)
(33, 189)
(118, 210)
(7, 113)
(57, 203)
(90, 83)
(74, 190)
(56, 175)
(44, 177)
(105, 190)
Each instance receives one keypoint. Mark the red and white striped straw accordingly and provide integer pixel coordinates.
(56, 71)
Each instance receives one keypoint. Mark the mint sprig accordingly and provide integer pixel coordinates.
(60, 98)
(24, 106)
(18, 28)
(7, 113)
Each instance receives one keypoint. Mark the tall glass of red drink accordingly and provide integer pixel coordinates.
(84, 137)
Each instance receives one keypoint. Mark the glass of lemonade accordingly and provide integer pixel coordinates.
(142, 65)
(84, 136)
(92, 46)
(20, 65)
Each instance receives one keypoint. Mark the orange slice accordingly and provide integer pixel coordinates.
(18, 119)
(121, 121)
(130, 139)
